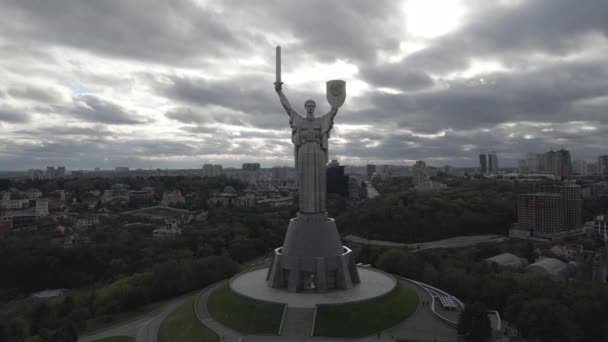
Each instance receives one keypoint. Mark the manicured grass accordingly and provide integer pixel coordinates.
(117, 339)
(182, 325)
(242, 314)
(366, 318)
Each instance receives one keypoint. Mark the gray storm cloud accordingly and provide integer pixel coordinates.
(178, 83)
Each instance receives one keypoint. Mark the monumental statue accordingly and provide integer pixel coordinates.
(312, 257)
(310, 139)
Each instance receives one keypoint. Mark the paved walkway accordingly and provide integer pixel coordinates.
(297, 322)
(253, 284)
(142, 329)
(423, 325)
(203, 315)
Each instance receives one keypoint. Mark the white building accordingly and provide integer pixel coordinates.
(33, 194)
(173, 197)
(14, 203)
(42, 207)
(420, 172)
(507, 260)
(210, 170)
(430, 185)
(86, 223)
(277, 202)
(165, 233)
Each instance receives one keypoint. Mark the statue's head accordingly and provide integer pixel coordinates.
(310, 106)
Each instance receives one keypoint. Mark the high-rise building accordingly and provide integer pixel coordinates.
(121, 169)
(540, 213)
(522, 166)
(492, 163)
(50, 172)
(337, 182)
(420, 172)
(251, 166)
(602, 166)
(532, 162)
(540, 163)
(210, 170)
(371, 169)
(592, 169)
(563, 164)
(549, 162)
(483, 166)
(282, 173)
(579, 167)
(573, 206)
(61, 171)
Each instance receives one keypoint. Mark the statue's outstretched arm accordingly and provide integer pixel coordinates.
(290, 111)
(332, 113)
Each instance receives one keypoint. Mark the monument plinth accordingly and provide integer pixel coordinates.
(312, 257)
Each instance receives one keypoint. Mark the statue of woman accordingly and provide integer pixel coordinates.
(309, 136)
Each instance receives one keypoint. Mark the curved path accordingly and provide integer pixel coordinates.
(142, 329)
(423, 325)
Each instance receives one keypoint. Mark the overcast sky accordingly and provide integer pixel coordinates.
(179, 83)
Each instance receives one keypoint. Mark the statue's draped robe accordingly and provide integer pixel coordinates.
(309, 136)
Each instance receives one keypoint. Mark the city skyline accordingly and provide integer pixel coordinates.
(182, 84)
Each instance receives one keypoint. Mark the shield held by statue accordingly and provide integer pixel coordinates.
(336, 93)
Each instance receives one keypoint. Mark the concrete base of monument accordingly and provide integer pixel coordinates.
(312, 257)
(253, 284)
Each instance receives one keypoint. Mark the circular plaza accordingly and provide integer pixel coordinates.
(252, 284)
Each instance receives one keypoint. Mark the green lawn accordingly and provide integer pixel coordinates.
(182, 325)
(117, 339)
(366, 318)
(242, 314)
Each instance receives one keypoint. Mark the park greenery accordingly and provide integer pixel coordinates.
(475, 207)
(474, 322)
(183, 325)
(245, 315)
(470, 206)
(368, 317)
(541, 307)
(124, 272)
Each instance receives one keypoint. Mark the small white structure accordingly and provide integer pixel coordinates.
(166, 233)
(86, 223)
(553, 267)
(33, 194)
(277, 202)
(447, 303)
(42, 207)
(49, 293)
(507, 260)
(173, 197)
(430, 185)
(8, 202)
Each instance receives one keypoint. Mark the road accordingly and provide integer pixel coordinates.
(142, 329)
(461, 241)
(371, 191)
(422, 325)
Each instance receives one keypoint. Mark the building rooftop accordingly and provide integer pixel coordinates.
(507, 259)
(551, 266)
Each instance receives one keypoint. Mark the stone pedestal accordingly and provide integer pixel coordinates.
(312, 257)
